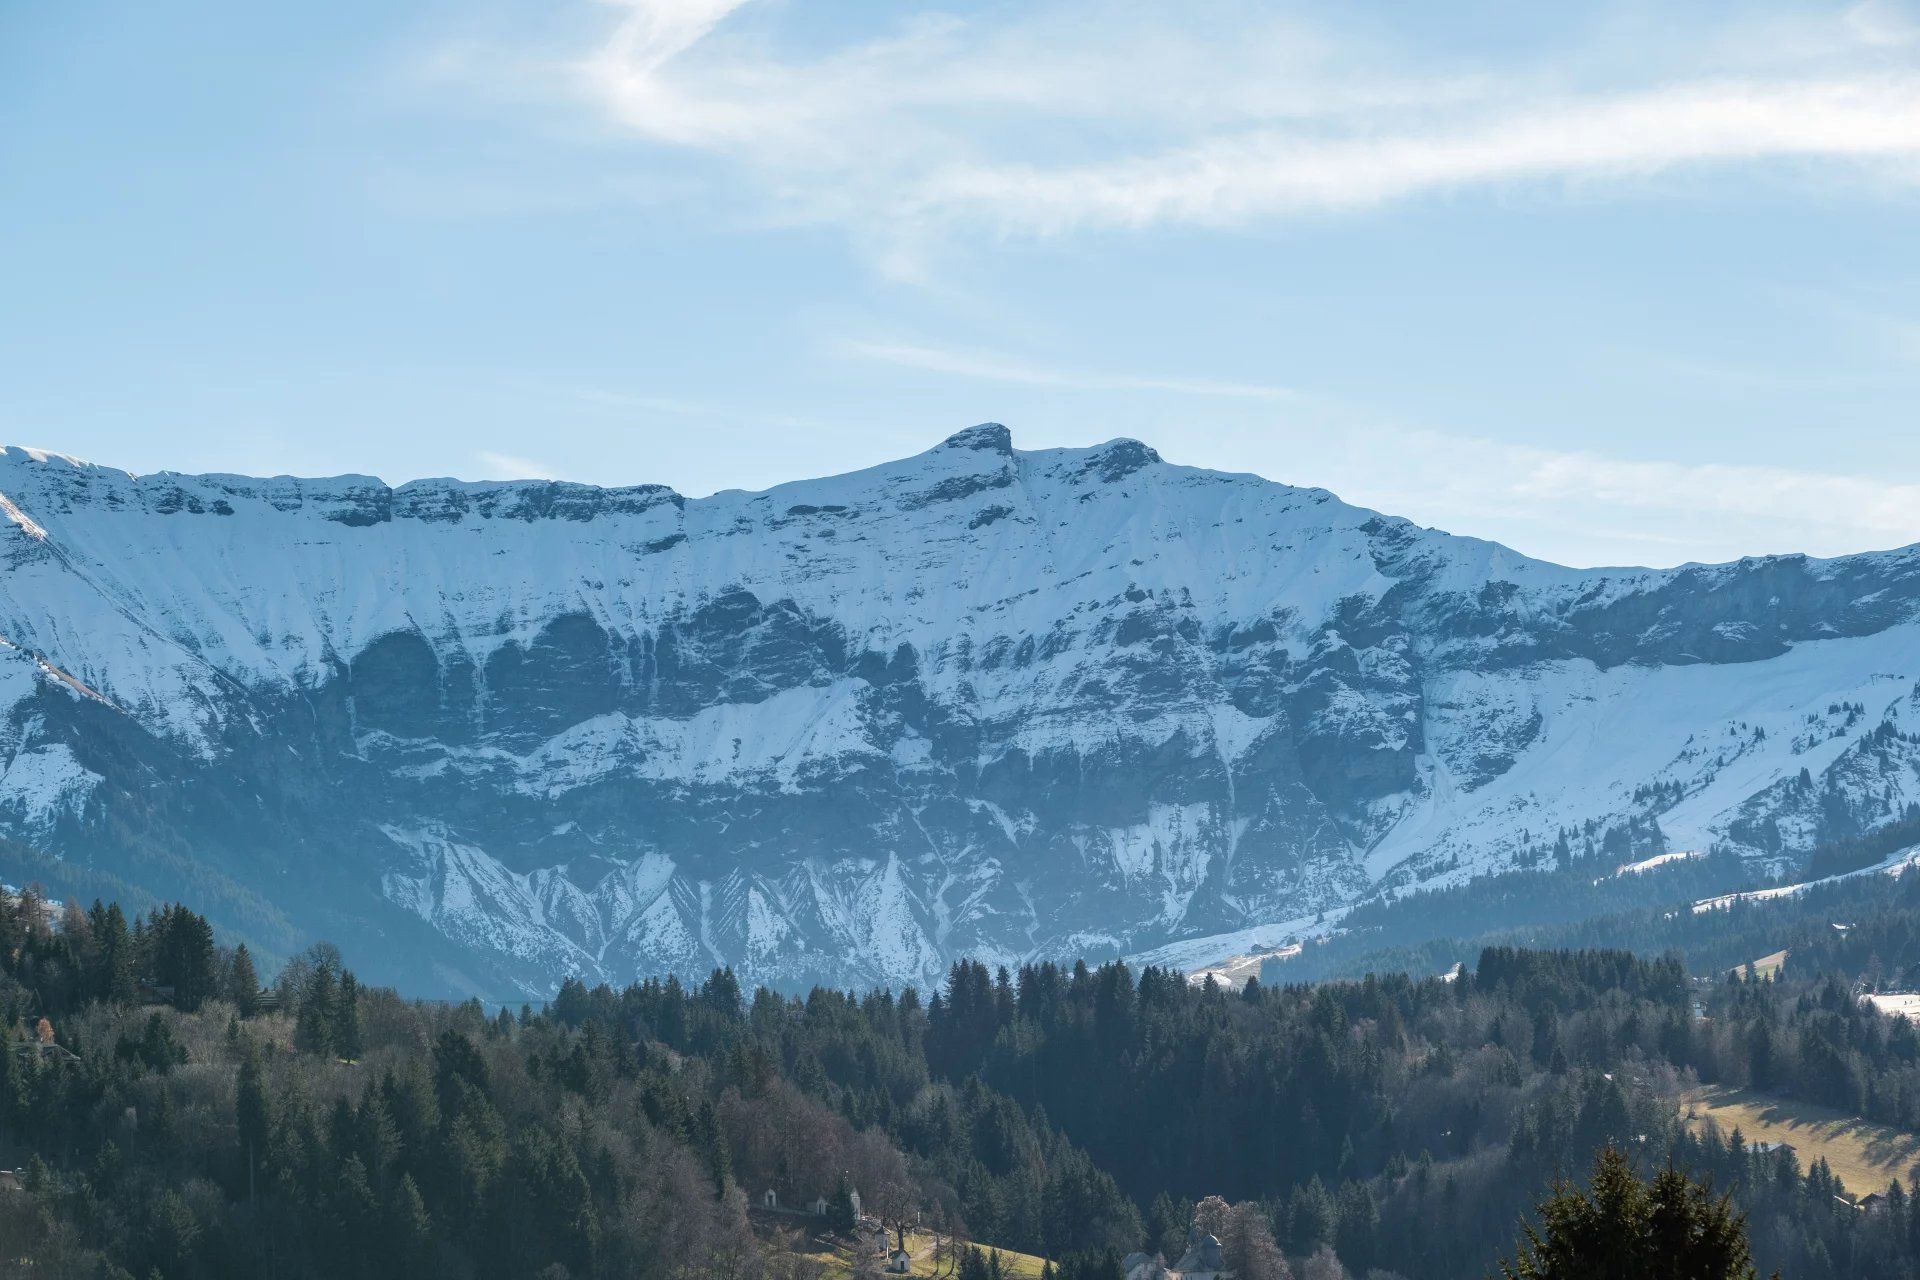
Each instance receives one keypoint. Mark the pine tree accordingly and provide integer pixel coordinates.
(184, 956)
(1671, 1229)
(355, 1211)
(172, 1233)
(346, 1018)
(113, 950)
(12, 1090)
(1311, 1217)
(410, 1099)
(376, 1139)
(840, 1215)
(1167, 1225)
(1358, 1231)
(713, 1142)
(313, 1029)
(254, 1113)
(159, 1048)
(243, 984)
(409, 1232)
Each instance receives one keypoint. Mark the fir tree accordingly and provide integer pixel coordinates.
(314, 1028)
(183, 956)
(12, 1087)
(346, 1018)
(409, 1232)
(254, 1113)
(243, 984)
(1671, 1229)
(840, 1215)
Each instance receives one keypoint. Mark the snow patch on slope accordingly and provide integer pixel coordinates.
(42, 785)
(1894, 865)
(778, 736)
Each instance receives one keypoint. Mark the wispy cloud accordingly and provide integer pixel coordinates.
(1884, 509)
(989, 367)
(1883, 22)
(1242, 178)
(1586, 507)
(1079, 114)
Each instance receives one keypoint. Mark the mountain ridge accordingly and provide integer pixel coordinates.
(977, 700)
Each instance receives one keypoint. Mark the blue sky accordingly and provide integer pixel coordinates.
(1612, 283)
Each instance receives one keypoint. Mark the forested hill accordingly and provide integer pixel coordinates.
(1853, 912)
(172, 1120)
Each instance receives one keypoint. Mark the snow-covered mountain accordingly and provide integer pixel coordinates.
(979, 701)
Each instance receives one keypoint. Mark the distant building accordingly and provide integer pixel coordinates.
(1144, 1266)
(1203, 1259)
(46, 1053)
(898, 1262)
(769, 1200)
(10, 1180)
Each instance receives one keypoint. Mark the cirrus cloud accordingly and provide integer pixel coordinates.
(1079, 116)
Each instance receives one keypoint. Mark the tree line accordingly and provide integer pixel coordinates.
(1391, 1126)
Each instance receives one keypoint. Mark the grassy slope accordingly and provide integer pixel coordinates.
(838, 1260)
(1766, 966)
(1865, 1156)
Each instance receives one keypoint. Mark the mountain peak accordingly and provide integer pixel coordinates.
(987, 436)
(44, 457)
(1117, 459)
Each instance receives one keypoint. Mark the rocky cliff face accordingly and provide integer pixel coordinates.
(978, 701)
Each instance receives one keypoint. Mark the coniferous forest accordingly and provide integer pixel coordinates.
(174, 1118)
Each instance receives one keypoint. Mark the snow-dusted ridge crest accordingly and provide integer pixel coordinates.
(981, 700)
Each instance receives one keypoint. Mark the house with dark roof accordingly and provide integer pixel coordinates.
(46, 1053)
(1203, 1259)
(1144, 1266)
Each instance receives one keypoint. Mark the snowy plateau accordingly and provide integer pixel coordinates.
(981, 701)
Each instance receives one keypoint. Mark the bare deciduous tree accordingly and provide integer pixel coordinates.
(1323, 1265)
(1247, 1241)
(1210, 1216)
